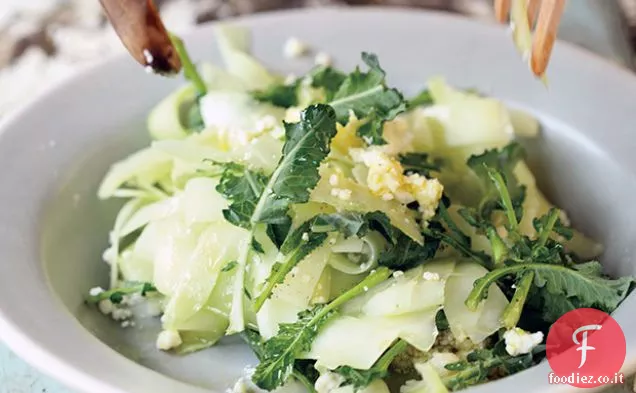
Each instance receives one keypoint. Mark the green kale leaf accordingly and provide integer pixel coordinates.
(366, 94)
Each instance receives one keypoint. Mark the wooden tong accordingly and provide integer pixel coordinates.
(546, 16)
(139, 26)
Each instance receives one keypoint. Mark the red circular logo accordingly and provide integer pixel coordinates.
(585, 348)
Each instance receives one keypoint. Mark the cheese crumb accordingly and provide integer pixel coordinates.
(323, 59)
(96, 291)
(106, 306)
(430, 276)
(168, 339)
(398, 273)
(305, 236)
(295, 48)
(520, 342)
(328, 382)
(333, 180)
(341, 193)
(120, 314)
(386, 179)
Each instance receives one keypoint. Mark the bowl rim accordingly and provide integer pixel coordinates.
(41, 358)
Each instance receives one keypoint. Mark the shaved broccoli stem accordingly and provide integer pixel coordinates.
(189, 69)
(500, 184)
(512, 312)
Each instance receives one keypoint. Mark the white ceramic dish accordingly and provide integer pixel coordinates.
(54, 153)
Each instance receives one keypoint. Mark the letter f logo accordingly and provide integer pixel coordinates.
(583, 343)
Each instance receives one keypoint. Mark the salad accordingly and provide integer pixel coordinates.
(356, 239)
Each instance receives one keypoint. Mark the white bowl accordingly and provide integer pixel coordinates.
(54, 153)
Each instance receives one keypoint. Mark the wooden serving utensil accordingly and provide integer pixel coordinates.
(141, 30)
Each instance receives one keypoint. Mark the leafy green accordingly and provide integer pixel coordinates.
(405, 253)
(499, 162)
(481, 364)
(306, 146)
(293, 339)
(362, 378)
(402, 252)
(258, 247)
(283, 95)
(452, 235)
(347, 223)
(327, 78)
(116, 295)
(441, 321)
(561, 288)
(277, 233)
(243, 187)
(301, 372)
(366, 94)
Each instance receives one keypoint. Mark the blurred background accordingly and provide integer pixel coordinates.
(42, 41)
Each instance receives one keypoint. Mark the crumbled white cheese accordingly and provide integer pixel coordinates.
(295, 48)
(121, 314)
(305, 236)
(398, 273)
(341, 193)
(333, 180)
(168, 339)
(386, 179)
(95, 291)
(106, 307)
(430, 276)
(323, 59)
(244, 384)
(127, 323)
(328, 381)
(520, 342)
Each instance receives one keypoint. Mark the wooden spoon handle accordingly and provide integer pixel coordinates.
(139, 26)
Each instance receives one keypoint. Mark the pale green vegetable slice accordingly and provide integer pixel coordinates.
(474, 325)
(201, 202)
(215, 247)
(236, 110)
(524, 124)
(234, 44)
(470, 119)
(336, 345)
(294, 294)
(166, 119)
(362, 200)
(170, 243)
(148, 213)
(521, 33)
(144, 167)
(216, 78)
(367, 249)
(406, 293)
(536, 205)
(135, 268)
(430, 382)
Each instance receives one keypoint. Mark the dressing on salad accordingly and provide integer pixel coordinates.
(355, 238)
